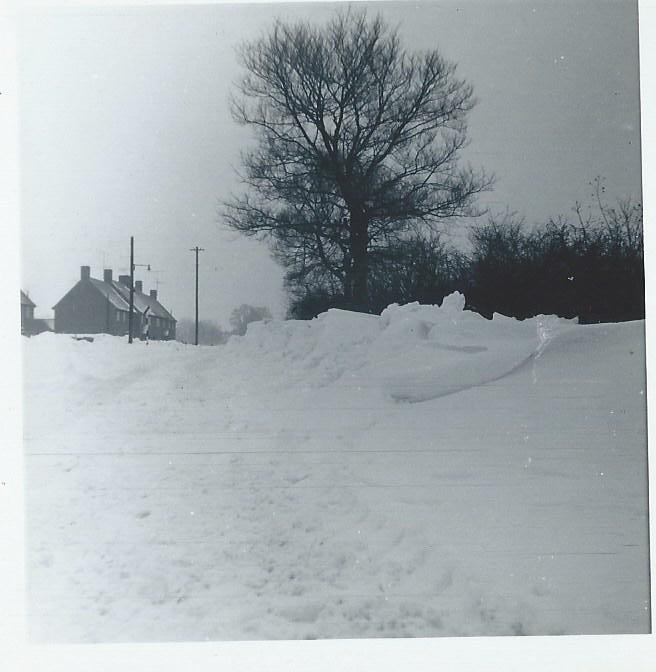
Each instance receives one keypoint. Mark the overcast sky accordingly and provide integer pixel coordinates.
(125, 130)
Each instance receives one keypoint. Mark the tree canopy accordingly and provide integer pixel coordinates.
(358, 142)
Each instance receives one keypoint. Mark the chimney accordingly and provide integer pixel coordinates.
(153, 294)
(138, 286)
(124, 280)
(107, 275)
(85, 272)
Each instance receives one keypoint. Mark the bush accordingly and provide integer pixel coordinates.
(591, 268)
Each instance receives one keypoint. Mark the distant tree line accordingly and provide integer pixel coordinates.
(589, 266)
(211, 333)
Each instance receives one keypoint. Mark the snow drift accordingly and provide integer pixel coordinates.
(282, 487)
(411, 352)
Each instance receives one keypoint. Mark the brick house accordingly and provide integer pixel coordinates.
(94, 306)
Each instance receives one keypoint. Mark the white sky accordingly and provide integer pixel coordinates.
(125, 129)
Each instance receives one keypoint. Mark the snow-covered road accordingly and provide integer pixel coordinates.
(283, 487)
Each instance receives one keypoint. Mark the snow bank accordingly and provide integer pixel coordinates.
(411, 353)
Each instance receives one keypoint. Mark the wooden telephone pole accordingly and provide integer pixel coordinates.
(197, 250)
(131, 289)
(132, 267)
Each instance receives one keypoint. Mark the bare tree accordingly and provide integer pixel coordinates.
(242, 316)
(358, 140)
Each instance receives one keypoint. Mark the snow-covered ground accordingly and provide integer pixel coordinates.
(422, 473)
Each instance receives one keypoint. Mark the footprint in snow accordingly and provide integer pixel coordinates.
(296, 479)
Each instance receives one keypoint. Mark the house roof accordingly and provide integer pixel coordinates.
(157, 309)
(124, 292)
(143, 301)
(25, 300)
(108, 290)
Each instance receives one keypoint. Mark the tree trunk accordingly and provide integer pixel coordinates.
(348, 280)
(359, 260)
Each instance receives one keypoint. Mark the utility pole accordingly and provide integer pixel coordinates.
(132, 267)
(197, 250)
(131, 289)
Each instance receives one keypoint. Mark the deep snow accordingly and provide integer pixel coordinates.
(422, 473)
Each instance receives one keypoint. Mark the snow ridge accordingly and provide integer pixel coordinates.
(410, 353)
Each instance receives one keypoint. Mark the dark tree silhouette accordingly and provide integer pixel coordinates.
(591, 268)
(357, 140)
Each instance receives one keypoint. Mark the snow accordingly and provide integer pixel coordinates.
(425, 472)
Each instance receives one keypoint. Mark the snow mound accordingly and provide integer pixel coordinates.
(410, 353)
